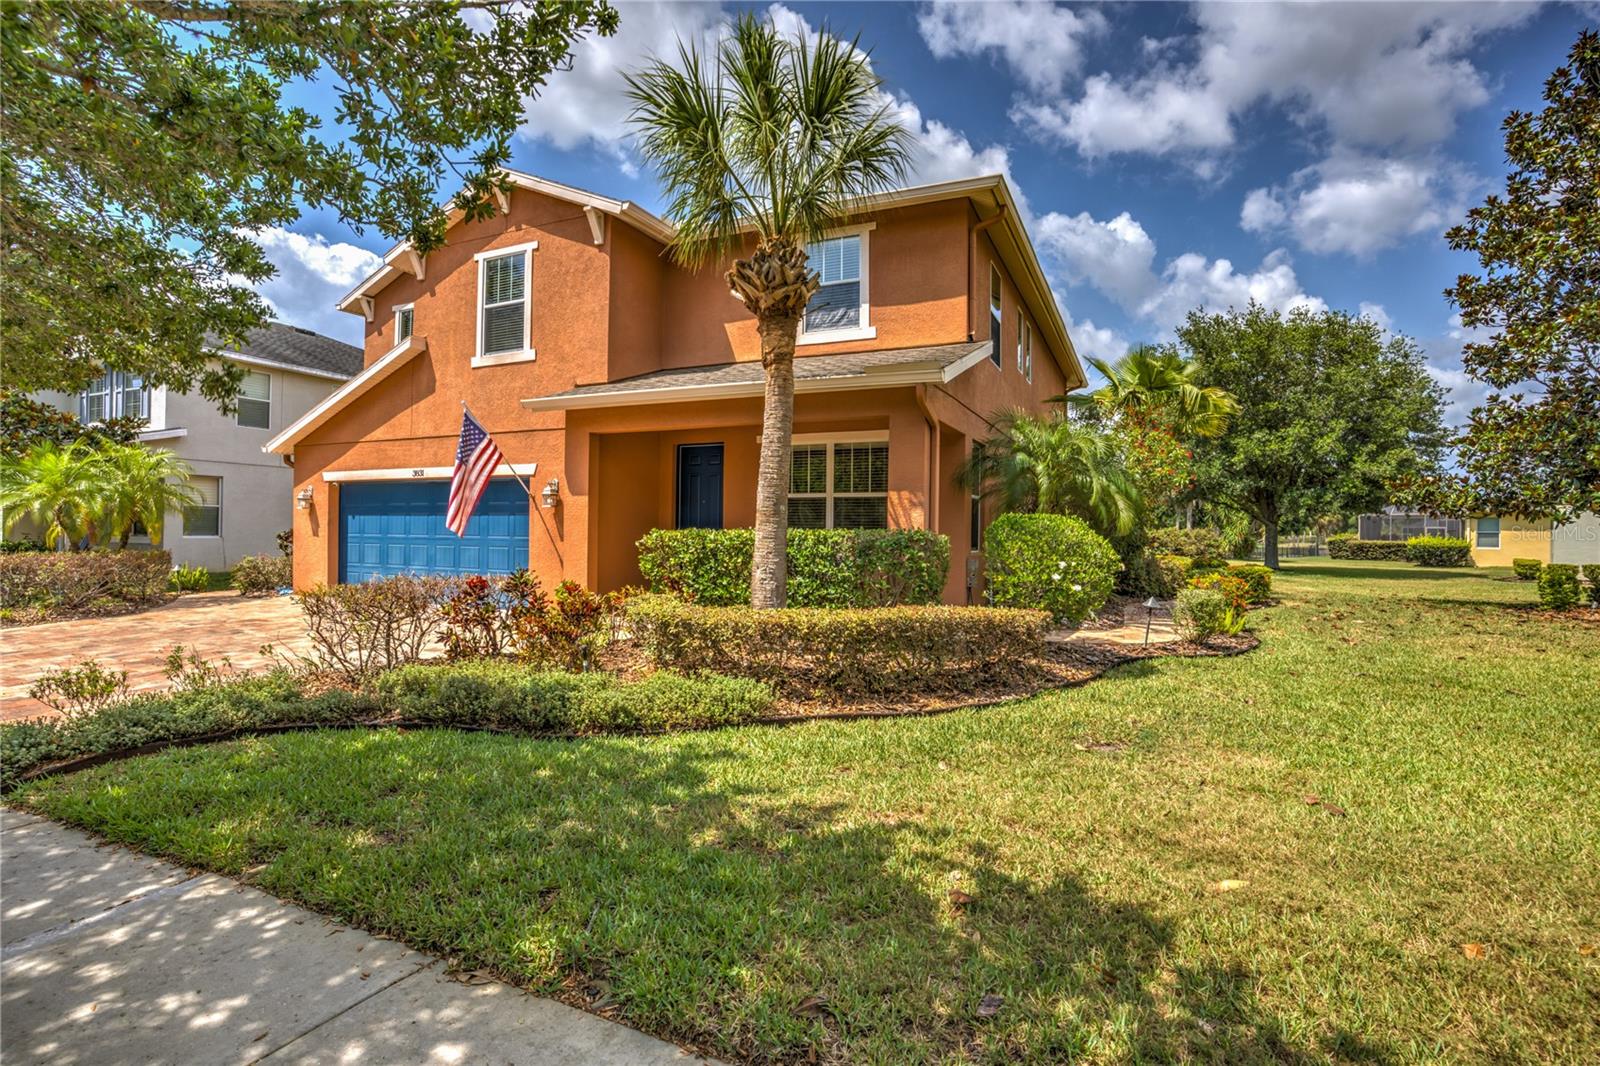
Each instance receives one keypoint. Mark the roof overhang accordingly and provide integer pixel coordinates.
(392, 360)
(275, 364)
(930, 372)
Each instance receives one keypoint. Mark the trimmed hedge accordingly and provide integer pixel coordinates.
(1558, 587)
(881, 650)
(1439, 551)
(1201, 544)
(503, 695)
(262, 575)
(1257, 579)
(75, 580)
(1049, 562)
(1349, 546)
(826, 567)
(1526, 569)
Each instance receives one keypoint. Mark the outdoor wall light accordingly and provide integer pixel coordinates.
(302, 499)
(551, 494)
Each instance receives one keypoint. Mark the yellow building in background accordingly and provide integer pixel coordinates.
(1496, 541)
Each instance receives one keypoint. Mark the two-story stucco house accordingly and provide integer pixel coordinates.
(247, 495)
(627, 389)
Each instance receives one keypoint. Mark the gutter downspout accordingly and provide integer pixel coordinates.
(972, 271)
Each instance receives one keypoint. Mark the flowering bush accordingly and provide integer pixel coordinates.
(1049, 562)
(1234, 590)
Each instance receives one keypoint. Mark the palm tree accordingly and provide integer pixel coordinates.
(141, 485)
(61, 487)
(1152, 380)
(1056, 464)
(770, 141)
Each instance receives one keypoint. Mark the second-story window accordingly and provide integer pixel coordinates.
(503, 300)
(1027, 352)
(839, 310)
(402, 323)
(255, 400)
(1022, 328)
(994, 314)
(114, 395)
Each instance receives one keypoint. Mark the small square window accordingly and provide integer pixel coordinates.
(402, 324)
(1488, 533)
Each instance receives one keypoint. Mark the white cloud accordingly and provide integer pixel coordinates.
(1092, 341)
(1040, 42)
(1193, 281)
(1376, 314)
(1117, 257)
(313, 273)
(1375, 75)
(1358, 204)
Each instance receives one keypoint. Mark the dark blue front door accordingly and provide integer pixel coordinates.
(397, 527)
(699, 486)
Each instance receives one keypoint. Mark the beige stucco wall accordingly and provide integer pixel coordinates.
(1519, 539)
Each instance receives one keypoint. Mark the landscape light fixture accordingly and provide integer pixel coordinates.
(1150, 606)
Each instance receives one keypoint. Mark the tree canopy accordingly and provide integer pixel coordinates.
(1533, 447)
(143, 142)
(1330, 411)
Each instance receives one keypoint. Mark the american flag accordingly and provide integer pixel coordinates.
(476, 457)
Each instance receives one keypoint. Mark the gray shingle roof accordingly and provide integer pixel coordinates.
(936, 360)
(280, 342)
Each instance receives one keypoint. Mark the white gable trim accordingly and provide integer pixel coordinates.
(393, 359)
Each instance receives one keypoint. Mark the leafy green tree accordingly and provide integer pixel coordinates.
(1329, 413)
(140, 484)
(1156, 383)
(60, 487)
(1533, 447)
(768, 142)
(25, 422)
(142, 142)
(1055, 464)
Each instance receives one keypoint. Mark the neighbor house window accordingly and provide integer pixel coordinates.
(204, 519)
(975, 521)
(114, 395)
(994, 314)
(840, 302)
(840, 486)
(255, 400)
(503, 315)
(1027, 352)
(402, 323)
(1488, 532)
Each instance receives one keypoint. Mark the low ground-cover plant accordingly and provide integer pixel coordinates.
(1558, 587)
(72, 581)
(484, 618)
(841, 651)
(359, 631)
(1201, 614)
(1439, 551)
(1349, 546)
(1049, 562)
(1526, 569)
(75, 691)
(262, 575)
(826, 567)
(193, 578)
(505, 695)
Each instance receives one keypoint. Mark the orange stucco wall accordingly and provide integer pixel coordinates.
(622, 308)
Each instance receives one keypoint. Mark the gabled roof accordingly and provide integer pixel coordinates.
(392, 360)
(279, 344)
(813, 373)
(989, 194)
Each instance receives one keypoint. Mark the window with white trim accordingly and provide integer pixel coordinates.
(1027, 351)
(114, 395)
(994, 314)
(840, 486)
(1021, 328)
(840, 302)
(1488, 533)
(204, 519)
(403, 320)
(255, 401)
(503, 303)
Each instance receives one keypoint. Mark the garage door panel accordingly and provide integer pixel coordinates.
(394, 527)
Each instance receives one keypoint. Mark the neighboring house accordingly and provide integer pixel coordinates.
(1393, 523)
(1497, 541)
(628, 390)
(248, 495)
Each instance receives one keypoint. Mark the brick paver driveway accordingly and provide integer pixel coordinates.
(216, 624)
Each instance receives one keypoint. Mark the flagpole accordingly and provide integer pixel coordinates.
(509, 465)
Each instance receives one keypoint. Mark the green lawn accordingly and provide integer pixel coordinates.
(708, 885)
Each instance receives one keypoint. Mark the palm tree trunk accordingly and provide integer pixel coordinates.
(768, 567)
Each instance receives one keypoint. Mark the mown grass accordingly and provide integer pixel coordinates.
(711, 886)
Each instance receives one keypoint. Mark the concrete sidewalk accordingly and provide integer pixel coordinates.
(108, 957)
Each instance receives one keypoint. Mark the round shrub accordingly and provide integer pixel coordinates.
(1558, 587)
(1200, 614)
(262, 575)
(1049, 562)
(1235, 591)
(1526, 569)
(1439, 551)
(1257, 578)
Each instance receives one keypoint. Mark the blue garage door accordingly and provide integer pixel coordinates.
(397, 527)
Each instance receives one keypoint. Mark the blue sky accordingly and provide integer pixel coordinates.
(1171, 156)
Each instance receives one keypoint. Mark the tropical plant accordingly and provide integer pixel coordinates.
(140, 485)
(1055, 464)
(1156, 383)
(60, 487)
(761, 149)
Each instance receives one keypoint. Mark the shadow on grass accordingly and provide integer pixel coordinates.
(684, 885)
(1395, 572)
